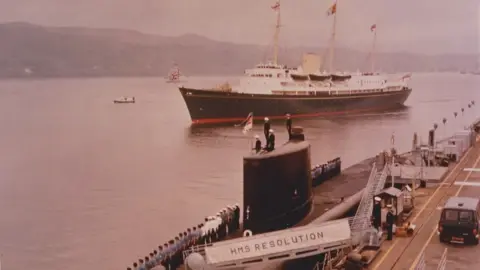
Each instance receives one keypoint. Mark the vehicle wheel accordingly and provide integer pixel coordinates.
(441, 239)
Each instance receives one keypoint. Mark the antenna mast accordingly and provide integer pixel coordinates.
(276, 7)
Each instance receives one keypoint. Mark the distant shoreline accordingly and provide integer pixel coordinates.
(32, 78)
(113, 76)
(33, 51)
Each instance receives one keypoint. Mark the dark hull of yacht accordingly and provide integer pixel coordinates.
(214, 106)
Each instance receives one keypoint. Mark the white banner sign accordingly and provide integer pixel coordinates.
(278, 242)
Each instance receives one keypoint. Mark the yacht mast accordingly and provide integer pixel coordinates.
(477, 63)
(332, 11)
(373, 28)
(276, 7)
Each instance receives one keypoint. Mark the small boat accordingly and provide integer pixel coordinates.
(124, 100)
(174, 76)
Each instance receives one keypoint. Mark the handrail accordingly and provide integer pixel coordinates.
(375, 184)
(367, 188)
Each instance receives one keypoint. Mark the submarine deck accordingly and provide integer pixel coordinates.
(405, 253)
(287, 147)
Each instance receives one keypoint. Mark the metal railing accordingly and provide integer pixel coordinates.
(371, 180)
(375, 184)
(200, 249)
(378, 182)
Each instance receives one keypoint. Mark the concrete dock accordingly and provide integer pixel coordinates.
(404, 253)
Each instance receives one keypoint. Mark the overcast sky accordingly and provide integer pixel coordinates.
(428, 26)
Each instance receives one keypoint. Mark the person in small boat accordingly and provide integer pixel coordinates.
(266, 128)
(258, 144)
(270, 141)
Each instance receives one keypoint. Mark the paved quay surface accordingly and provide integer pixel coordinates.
(404, 253)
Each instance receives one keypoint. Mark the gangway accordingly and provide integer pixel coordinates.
(276, 246)
(375, 184)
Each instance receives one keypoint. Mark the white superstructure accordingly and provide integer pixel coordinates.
(273, 78)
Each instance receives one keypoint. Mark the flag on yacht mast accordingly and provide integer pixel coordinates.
(248, 123)
(276, 7)
(332, 10)
(373, 27)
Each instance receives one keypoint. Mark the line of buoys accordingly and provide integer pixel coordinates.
(214, 228)
(326, 171)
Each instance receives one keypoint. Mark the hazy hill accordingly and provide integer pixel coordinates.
(78, 52)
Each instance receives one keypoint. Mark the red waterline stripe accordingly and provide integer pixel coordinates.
(306, 115)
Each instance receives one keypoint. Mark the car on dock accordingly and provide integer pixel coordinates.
(459, 221)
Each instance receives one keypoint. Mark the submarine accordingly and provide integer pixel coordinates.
(278, 194)
(277, 186)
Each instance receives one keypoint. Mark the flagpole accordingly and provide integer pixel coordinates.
(373, 48)
(277, 34)
(332, 41)
(250, 145)
(393, 159)
(250, 137)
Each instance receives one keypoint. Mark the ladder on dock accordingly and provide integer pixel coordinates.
(376, 183)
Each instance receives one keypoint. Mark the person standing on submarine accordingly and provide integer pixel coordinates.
(289, 126)
(271, 141)
(266, 128)
(258, 144)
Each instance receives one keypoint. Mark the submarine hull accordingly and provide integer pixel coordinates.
(277, 188)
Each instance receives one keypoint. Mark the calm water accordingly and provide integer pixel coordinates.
(86, 184)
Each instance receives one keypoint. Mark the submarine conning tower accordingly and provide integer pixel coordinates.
(277, 186)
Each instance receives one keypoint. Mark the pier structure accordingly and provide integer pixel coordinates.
(337, 236)
(423, 250)
(265, 250)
